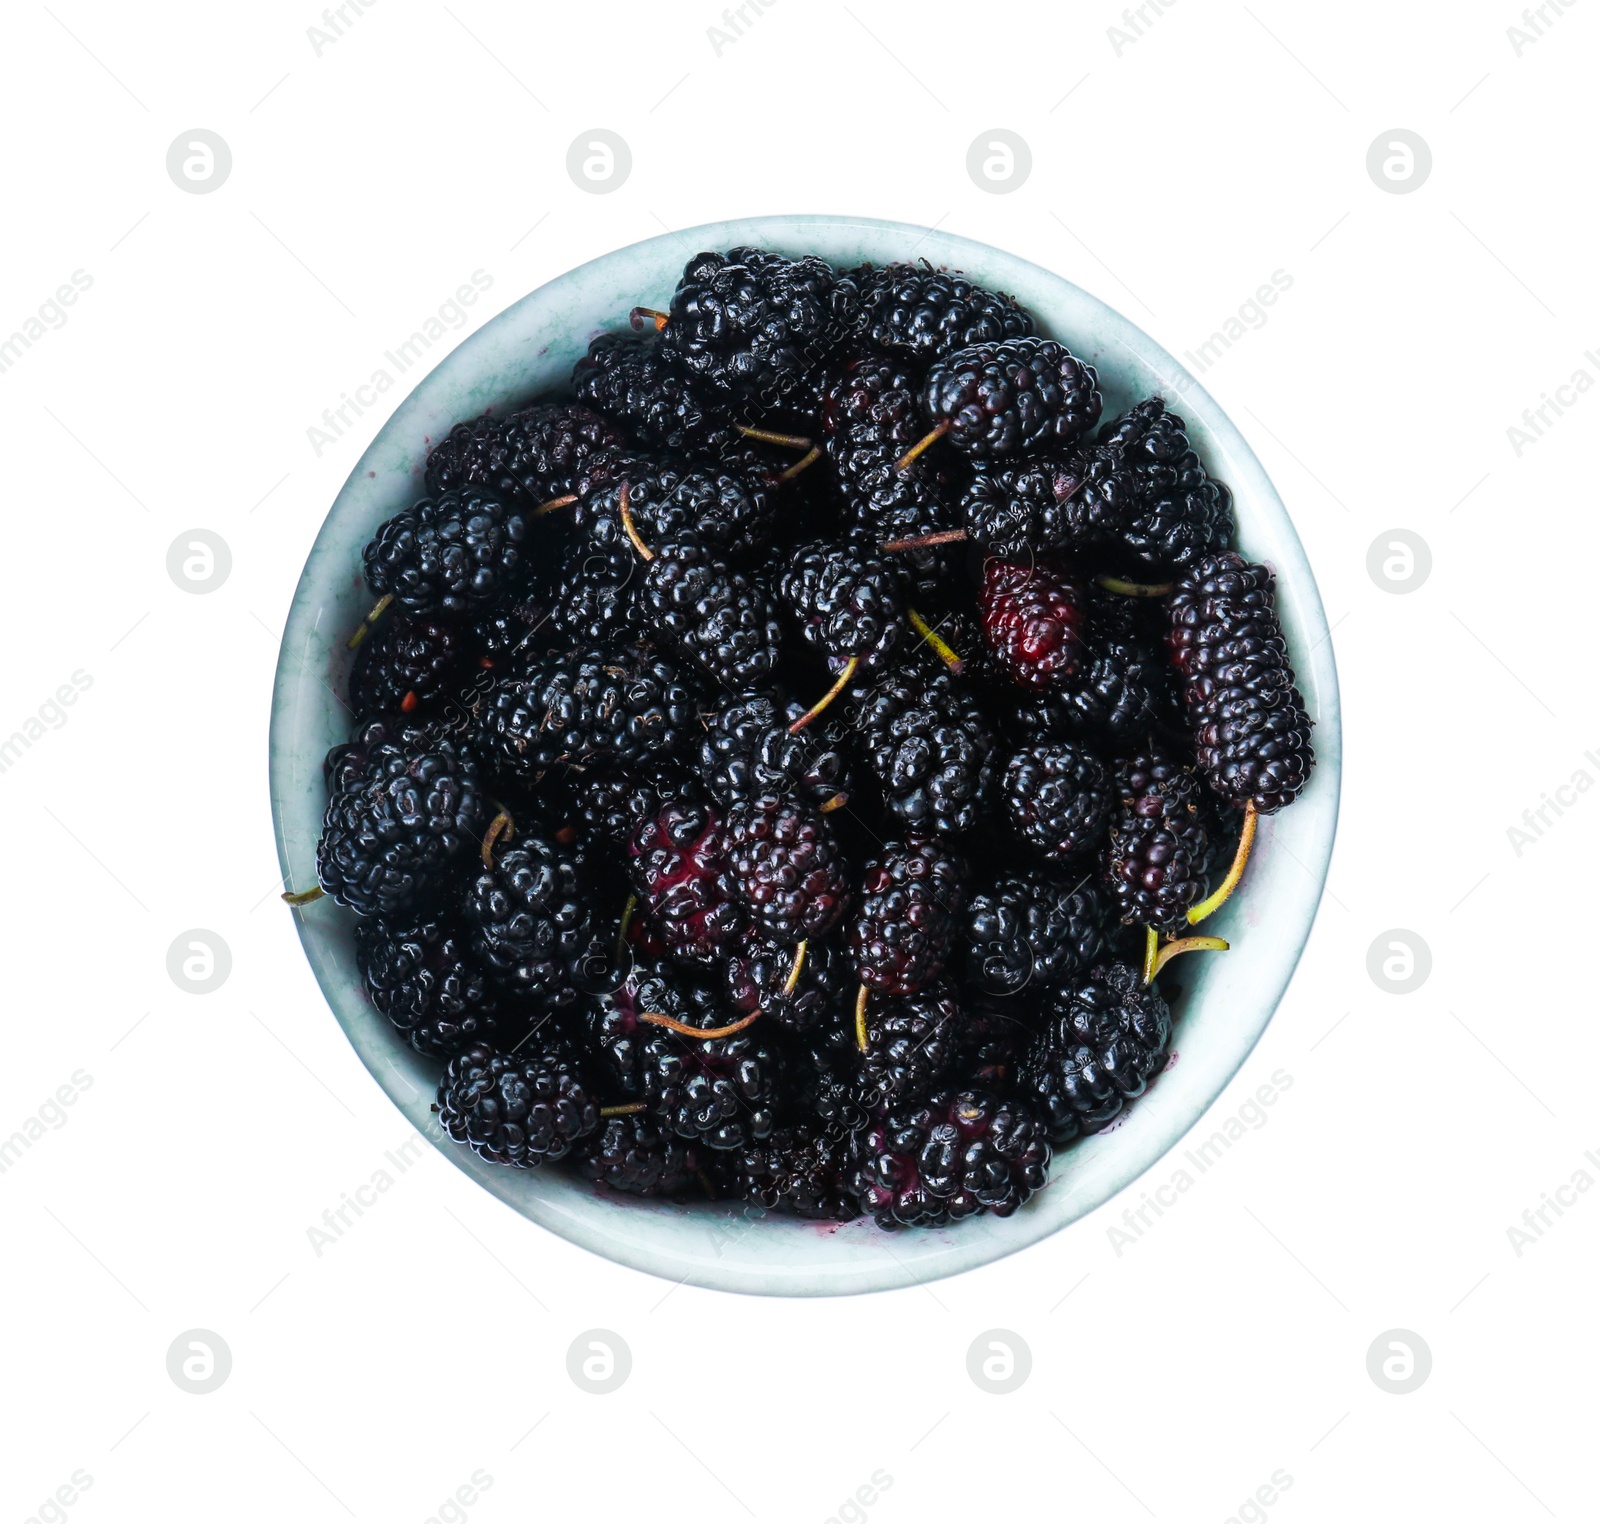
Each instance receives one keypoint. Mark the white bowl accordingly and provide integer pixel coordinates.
(1229, 998)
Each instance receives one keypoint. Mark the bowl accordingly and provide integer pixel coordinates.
(1228, 998)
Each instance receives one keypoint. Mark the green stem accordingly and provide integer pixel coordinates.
(1185, 945)
(1218, 897)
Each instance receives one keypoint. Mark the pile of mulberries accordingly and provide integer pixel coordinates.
(782, 767)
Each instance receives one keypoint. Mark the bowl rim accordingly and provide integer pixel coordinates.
(980, 1241)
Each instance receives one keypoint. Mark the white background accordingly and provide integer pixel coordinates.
(1172, 174)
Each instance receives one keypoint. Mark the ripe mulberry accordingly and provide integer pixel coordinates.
(1121, 692)
(1157, 854)
(1252, 734)
(912, 1042)
(424, 979)
(519, 1110)
(847, 603)
(924, 313)
(708, 502)
(711, 614)
(949, 1158)
(719, 1091)
(531, 922)
(1031, 931)
(626, 377)
(688, 895)
(1058, 798)
(931, 747)
(400, 816)
(1103, 1040)
(755, 327)
(1033, 618)
(1146, 507)
(606, 704)
(748, 753)
(405, 665)
(788, 869)
(538, 453)
(813, 1003)
(870, 420)
(637, 1156)
(1021, 510)
(450, 555)
(799, 1171)
(1025, 396)
(912, 897)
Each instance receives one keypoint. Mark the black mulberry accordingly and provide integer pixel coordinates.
(1103, 1040)
(1252, 733)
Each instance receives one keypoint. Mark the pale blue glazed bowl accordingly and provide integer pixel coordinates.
(1228, 999)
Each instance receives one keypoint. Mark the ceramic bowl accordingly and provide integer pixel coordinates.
(1228, 998)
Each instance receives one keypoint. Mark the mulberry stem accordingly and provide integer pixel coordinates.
(813, 452)
(861, 1018)
(940, 648)
(922, 541)
(926, 442)
(501, 825)
(1151, 944)
(655, 1018)
(794, 973)
(810, 458)
(366, 624)
(553, 504)
(1134, 589)
(628, 909)
(1218, 896)
(828, 697)
(304, 897)
(787, 441)
(625, 498)
(641, 318)
(1184, 945)
(633, 1108)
